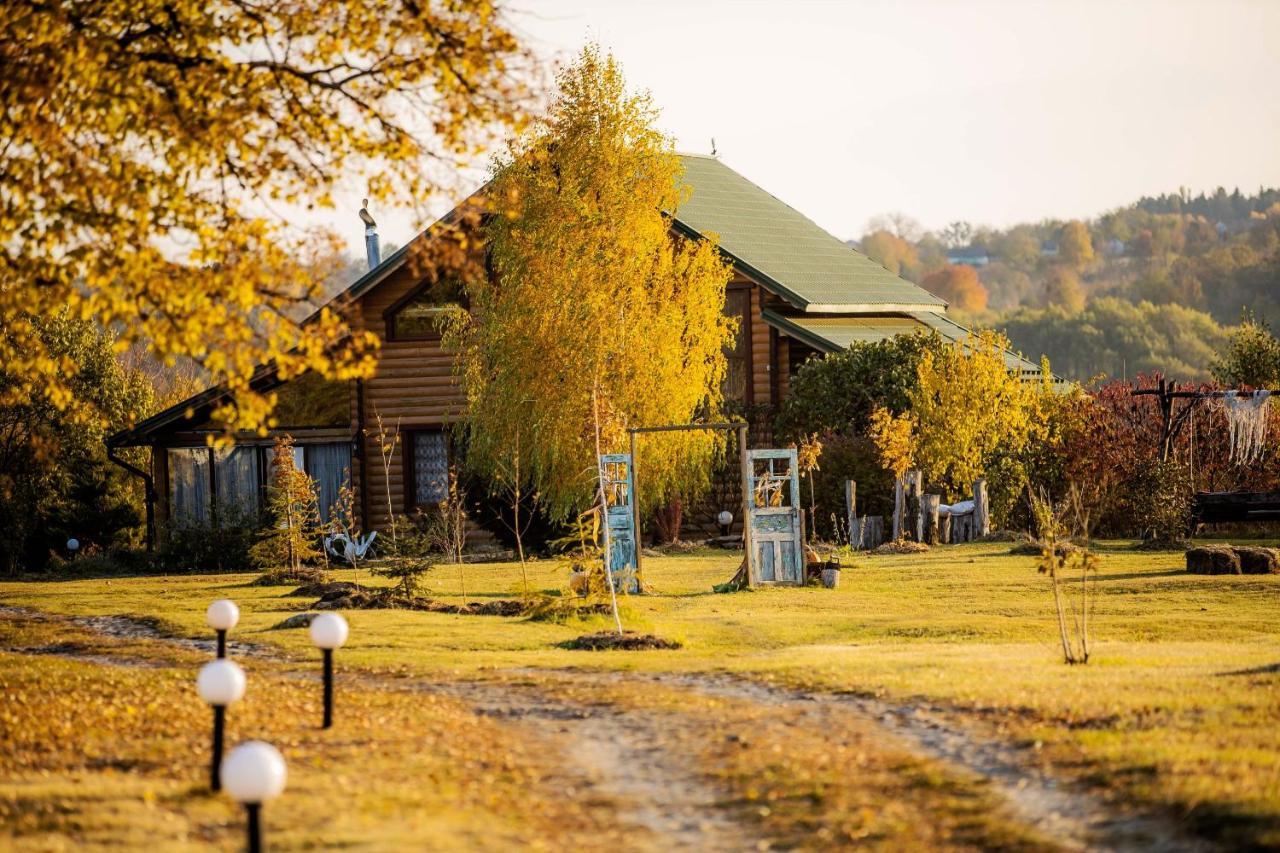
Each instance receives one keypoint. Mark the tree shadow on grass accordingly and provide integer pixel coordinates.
(1132, 576)
(1266, 669)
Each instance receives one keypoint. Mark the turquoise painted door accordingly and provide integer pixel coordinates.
(773, 482)
(620, 520)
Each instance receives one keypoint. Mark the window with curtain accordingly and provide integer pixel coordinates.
(189, 485)
(237, 471)
(428, 468)
(737, 304)
(329, 465)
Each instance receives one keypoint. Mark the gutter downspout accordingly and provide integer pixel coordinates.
(149, 490)
(362, 454)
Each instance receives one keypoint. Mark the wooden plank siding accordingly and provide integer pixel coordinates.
(414, 388)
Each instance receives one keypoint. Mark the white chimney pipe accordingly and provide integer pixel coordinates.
(370, 235)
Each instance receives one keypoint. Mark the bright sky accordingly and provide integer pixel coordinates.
(994, 111)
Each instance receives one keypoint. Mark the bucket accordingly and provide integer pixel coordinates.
(831, 573)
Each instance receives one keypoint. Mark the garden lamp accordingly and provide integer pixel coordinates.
(222, 616)
(255, 772)
(725, 518)
(73, 544)
(328, 631)
(220, 683)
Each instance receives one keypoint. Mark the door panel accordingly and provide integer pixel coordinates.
(620, 520)
(774, 485)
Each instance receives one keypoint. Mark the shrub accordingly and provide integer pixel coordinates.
(202, 547)
(838, 393)
(1165, 502)
(293, 514)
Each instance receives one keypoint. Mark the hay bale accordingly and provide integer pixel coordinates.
(1258, 561)
(1213, 560)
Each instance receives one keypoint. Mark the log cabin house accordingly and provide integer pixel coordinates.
(797, 291)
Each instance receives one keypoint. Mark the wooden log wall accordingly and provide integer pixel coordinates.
(760, 383)
(414, 388)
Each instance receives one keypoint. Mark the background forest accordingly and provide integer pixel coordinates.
(1152, 286)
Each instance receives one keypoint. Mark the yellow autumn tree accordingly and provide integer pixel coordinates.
(596, 318)
(968, 406)
(156, 151)
(894, 438)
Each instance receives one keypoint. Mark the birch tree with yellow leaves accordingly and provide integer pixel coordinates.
(153, 153)
(597, 318)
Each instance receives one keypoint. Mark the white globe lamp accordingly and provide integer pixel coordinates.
(222, 616)
(220, 683)
(725, 518)
(329, 631)
(254, 772)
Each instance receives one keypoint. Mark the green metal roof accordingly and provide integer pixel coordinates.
(787, 251)
(831, 334)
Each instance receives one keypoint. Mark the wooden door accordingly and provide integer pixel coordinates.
(620, 529)
(773, 482)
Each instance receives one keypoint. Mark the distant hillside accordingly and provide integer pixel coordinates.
(1147, 286)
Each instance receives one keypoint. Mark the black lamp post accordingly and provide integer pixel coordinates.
(328, 631)
(255, 772)
(222, 616)
(220, 683)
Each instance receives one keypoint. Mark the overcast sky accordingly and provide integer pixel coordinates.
(996, 112)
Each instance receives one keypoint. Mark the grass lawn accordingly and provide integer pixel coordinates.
(1179, 709)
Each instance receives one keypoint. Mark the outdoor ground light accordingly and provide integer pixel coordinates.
(220, 683)
(222, 616)
(73, 545)
(255, 772)
(725, 518)
(328, 631)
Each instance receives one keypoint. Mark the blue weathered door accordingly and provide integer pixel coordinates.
(620, 520)
(773, 482)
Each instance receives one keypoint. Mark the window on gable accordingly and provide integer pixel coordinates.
(422, 316)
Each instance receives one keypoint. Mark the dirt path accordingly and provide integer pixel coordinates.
(1074, 818)
(624, 758)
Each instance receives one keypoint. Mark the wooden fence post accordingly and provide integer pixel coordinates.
(912, 525)
(899, 493)
(872, 531)
(981, 509)
(851, 513)
(929, 518)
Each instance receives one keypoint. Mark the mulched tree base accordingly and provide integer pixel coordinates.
(1034, 549)
(288, 577)
(902, 546)
(344, 595)
(627, 641)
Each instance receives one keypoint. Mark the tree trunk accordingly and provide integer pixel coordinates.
(604, 506)
(667, 522)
